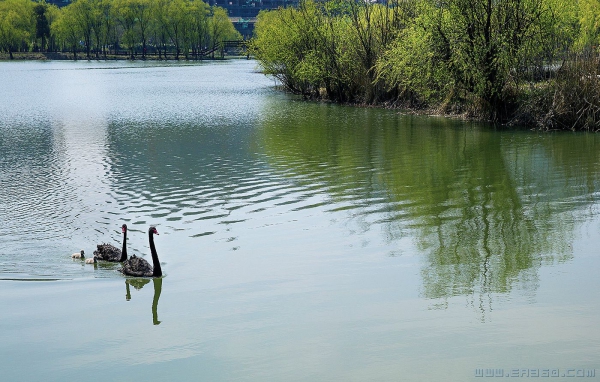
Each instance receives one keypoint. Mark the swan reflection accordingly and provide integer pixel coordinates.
(139, 284)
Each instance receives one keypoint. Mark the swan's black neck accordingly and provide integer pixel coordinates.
(124, 250)
(157, 270)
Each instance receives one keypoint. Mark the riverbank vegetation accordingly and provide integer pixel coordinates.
(106, 28)
(524, 62)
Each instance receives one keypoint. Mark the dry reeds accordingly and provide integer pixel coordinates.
(573, 97)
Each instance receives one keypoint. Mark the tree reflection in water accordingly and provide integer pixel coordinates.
(486, 208)
(139, 284)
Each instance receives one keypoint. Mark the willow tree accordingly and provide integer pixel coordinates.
(273, 45)
(286, 47)
(199, 27)
(80, 12)
(484, 41)
(52, 14)
(472, 53)
(17, 25)
(373, 28)
(328, 49)
(329, 25)
(177, 22)
(306, 48)
(68, 29)
(127, 19)
(221, 28)
(102, 24)
(135, 17)
(42, 25)
(160, 26)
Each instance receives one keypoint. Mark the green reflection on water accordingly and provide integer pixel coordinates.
(486, 208)
(139, 284)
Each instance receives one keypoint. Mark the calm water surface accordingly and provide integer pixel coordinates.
(299, 241)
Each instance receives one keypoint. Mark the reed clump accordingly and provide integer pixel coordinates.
(570, 100)
(575, 95)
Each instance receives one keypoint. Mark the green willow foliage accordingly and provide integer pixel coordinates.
(101, 27)
(328, 47)
(475, 57)
(17, 24)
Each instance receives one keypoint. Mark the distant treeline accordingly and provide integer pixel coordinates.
(524, 62)
(97, 28)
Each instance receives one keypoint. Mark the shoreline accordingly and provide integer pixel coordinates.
(530, 115)
(61, 56)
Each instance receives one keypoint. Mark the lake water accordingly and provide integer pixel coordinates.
(299, 241)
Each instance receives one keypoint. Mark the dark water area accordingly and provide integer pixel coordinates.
(299, 241)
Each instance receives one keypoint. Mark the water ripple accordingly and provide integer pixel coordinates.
(205, 174)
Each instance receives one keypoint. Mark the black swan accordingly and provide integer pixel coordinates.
(78, 255)
(138, 267)
(91, 260)
(109, 252)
